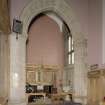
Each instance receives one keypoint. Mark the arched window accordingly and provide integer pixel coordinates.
(70, 50)
(69, 45)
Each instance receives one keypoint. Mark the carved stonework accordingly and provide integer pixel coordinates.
(41, 74)
(68, 77)
(94, 74)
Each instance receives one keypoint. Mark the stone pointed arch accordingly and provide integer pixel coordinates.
(58, 6)
(18, 50)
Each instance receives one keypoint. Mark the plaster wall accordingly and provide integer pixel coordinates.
(45, 44)
(95, 32)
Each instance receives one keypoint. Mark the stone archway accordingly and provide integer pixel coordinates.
(18, 50)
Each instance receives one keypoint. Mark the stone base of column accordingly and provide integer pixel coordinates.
(17, 103)
(80, 99)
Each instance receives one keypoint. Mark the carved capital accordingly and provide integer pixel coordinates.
(80, 42)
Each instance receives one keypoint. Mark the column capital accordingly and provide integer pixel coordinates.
(80, 42)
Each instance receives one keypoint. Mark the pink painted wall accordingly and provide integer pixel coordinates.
(16, 7)
(95, 32)
(46, 45)
(89, 15)
(80, 8)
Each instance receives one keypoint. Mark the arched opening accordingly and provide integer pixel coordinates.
(65, 30)
(48, 51)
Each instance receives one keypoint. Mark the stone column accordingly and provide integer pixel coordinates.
(80, 71)
(68, 77)
(17, 70)
(4, 65)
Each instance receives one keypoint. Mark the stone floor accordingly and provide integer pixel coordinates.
(57, 103)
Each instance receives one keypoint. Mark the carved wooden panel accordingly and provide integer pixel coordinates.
(48, 77)
(31, 78)
(96, 87)
(38, 74)
(94, 74)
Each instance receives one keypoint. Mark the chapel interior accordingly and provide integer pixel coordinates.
(52, 52)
